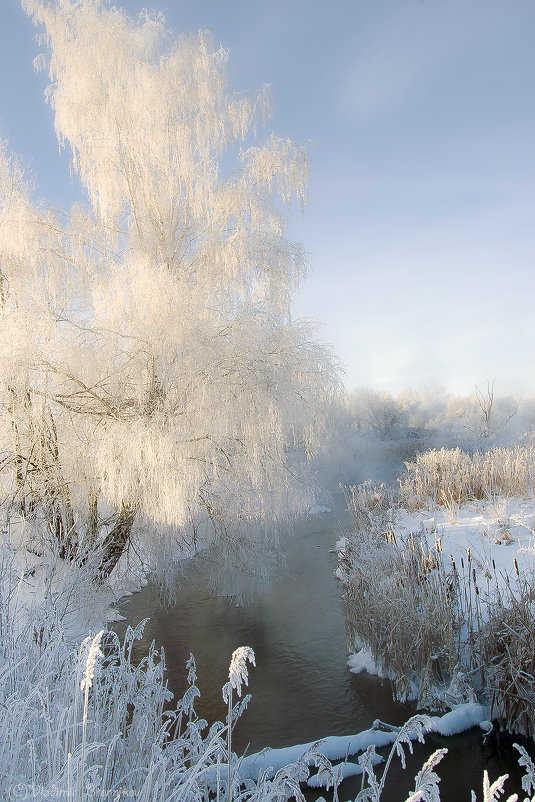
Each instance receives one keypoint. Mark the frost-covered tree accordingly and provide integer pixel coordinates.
(158, 369)
(483, 416)
(379, 412)
(493, 414)
(29, 291)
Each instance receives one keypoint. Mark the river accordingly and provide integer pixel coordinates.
(301, 687)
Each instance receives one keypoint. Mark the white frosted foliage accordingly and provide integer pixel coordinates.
(238, 673)
(154, 350)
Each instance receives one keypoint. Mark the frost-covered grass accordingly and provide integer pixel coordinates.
(450, 477)
(83, 722)
(441, 596)
(87, 723)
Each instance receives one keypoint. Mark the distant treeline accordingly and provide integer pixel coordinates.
(373, 432)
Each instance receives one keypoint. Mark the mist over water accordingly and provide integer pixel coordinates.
(301, 687)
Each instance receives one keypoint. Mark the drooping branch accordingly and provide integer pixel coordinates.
(166, 376)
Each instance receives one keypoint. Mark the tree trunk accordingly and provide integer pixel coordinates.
(92, 522)
(115, 542)
(56, 491)
(61, 521)
(17, 451)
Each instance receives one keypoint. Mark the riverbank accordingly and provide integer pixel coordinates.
(302, 690)
(301, 687)
(441, 599)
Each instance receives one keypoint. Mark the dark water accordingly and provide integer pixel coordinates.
(302, 689)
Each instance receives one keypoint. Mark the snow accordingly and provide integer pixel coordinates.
(461, 718)
(339, 747)
(497, 531)
(492, 538)
(363, 661)
(334, 747)
(318, 509)
(48, 586)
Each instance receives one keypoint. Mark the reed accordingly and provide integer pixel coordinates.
(398, 601)
(451, 477)
(88, 723)
(443, 632)
(510, 652)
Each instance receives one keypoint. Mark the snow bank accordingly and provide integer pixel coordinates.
(334, 747)
(496, 532)
(339, 747)
(363, 661)
(459, 719)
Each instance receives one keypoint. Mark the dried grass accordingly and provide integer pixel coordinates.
(397, 599)
(431, 626)
(509, 641)
(450, 477)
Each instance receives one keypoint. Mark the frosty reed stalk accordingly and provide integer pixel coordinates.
(440, 629)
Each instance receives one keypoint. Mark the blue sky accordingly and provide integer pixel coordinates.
(420, 122)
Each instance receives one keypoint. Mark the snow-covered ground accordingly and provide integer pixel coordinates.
(339, 748)
(441, 602)
(48, 588)
(496, 532)
(492, 540)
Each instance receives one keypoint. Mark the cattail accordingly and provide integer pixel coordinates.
(516, 567)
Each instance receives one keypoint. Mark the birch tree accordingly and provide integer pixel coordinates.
(177, 388)
(28, 296)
